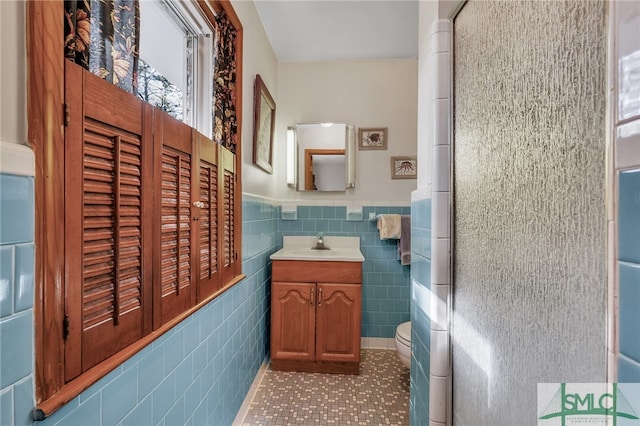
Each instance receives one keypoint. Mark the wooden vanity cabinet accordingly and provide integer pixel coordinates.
(316, 316)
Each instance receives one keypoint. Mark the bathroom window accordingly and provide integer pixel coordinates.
(176, 83)
(138, 222)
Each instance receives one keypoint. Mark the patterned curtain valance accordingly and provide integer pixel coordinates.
(102, 36)
(225, 126)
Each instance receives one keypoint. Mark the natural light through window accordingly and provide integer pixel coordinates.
(176, 65)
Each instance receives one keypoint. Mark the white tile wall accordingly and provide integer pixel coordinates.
(439, 310)
(627, 58)
(440, 215)
(440, 258)
(440, 368)
(625, 125)
(438, 397)
(439, 365)
(441, 168)
(628, 143)
(441, 122)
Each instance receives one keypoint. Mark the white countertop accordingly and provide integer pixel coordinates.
(342, 249)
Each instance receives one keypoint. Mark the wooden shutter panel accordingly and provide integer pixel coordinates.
(174, 266)
(207, 225)
(227, 214)
(107, 220)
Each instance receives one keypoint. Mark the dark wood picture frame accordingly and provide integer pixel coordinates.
(264, 123)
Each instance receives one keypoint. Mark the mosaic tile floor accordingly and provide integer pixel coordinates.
(379, 395)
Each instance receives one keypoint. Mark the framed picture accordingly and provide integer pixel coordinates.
(404, 167)
(264, 123)
(373, 138)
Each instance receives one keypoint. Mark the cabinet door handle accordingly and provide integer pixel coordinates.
(320, 297)
(311, 297)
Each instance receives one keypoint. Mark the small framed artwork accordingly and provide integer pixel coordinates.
(372, 138)
(264, 123)
(404, 167)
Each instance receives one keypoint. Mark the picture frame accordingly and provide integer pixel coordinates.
(372, 138)
(264, 123)
(404, 168)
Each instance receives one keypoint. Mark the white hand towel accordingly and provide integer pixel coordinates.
(389, 226)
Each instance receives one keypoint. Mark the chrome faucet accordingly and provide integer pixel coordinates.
(320, 243)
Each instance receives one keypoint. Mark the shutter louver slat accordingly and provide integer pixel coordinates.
(112, 219)
(99, 225)
(169, 221)
(205, 223)
(229, 195)
(184, 226)
(112, 237)
(208, 220)
(174, 204)
(227, 216)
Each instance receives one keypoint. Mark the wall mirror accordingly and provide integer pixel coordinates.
(322, 157)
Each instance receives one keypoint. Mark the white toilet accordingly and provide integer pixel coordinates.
(403, 343)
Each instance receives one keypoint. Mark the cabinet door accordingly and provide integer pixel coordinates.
(293, 321)
(338, 322)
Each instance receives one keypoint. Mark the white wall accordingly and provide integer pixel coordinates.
(13, 72)
(380, 93)
(258, 58)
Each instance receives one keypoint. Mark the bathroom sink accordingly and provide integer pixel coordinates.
(299, 248)
(321, 253)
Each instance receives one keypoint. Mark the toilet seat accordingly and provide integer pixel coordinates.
(403, 333)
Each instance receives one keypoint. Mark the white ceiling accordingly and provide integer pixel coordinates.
(329, 30)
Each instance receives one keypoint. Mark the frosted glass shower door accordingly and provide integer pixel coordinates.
(529, 243)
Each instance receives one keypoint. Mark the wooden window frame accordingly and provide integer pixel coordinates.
(46, 120)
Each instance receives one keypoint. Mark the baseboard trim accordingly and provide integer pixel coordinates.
(378, 343)
(251, 394)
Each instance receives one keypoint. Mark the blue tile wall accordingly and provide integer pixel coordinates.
(16, 299)
(6, 280)
(629, 330)
(420, 305)
(23, 277)
(628, 370)
(629, 276)
(198, 373)
(16, 209)
(629, 216)
(385, 282)
(16, 340)
(6, 407)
